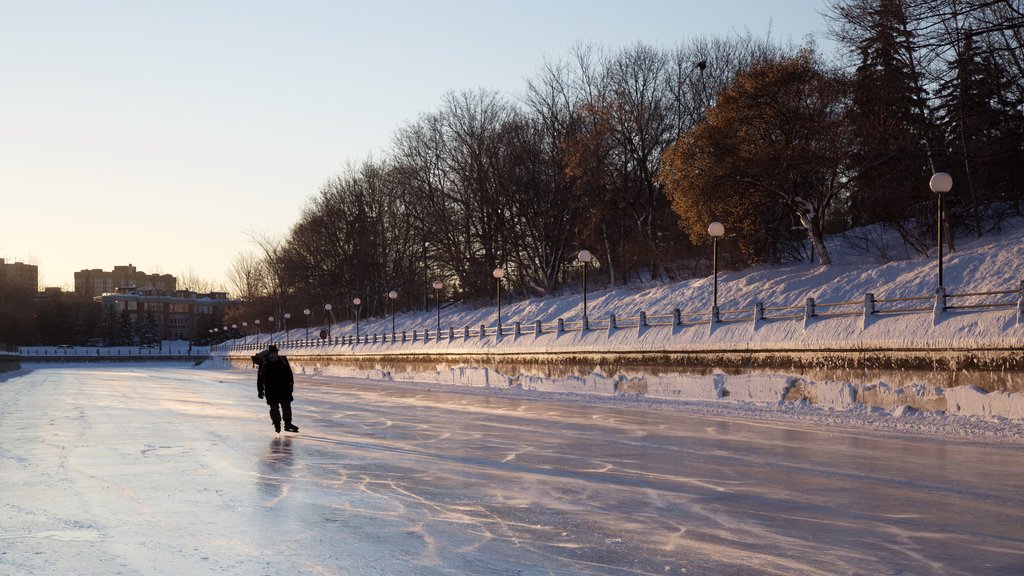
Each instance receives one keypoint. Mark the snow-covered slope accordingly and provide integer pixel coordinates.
(992, 264)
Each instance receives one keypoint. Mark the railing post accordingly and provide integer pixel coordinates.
(611, 323)
(869, 308)
(642, 323)
(809, 311)
(1020, 303)
(403, 336)
(519, 329)
(758, 313)
(676, 317)
(415, 335)
(561, 325)
(716, 316)
(483, 331)
(465, 332)
(585, 323)
(451, 333)
(940, 305)
(537, 329)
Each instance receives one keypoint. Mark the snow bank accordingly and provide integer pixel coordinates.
(973, 401)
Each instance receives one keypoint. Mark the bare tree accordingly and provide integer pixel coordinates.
(248, 277)
(190, 280)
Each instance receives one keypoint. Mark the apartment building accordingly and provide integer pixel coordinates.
(96, 282)
(177, 315)
(19, 275)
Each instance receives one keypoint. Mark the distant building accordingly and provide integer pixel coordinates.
(96, 282)
(51, 293)
(177, 315)
(19, 275)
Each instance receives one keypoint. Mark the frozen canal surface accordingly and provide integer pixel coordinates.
(174, 470)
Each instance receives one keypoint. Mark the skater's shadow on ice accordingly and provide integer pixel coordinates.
(274, 469)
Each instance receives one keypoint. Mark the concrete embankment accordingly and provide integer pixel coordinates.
(964, 382)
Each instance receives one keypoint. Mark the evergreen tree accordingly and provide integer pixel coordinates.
(127, 336)
(112, 327)
(983, 129)
(890, 155)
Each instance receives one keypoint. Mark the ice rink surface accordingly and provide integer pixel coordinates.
(128, 469)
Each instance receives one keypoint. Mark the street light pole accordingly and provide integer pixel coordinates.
(716, 230)
(498, 274)
(327, 307)
(306, 311)
(940, 183)
(438, 285)
(586, 257)
(287, 315)
(270, 331)
(257, 323)
(356, 302)
(393, 295)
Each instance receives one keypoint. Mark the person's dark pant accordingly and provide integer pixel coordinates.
(286, 410)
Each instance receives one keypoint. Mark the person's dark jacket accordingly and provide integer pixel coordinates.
(275, 380)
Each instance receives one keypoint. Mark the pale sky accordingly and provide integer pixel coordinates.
(168, 134)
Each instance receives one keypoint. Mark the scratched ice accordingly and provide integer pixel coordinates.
(169, 470)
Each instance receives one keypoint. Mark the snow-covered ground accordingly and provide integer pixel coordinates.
(162, 469)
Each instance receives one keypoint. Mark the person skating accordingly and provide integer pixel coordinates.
(275, 381)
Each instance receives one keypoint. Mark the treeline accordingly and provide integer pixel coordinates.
(631, 153)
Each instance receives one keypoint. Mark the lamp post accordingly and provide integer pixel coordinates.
(257, 323)
(357, 302)
(392, 296)
(586, 257)
(498, 274)
(327, 307)
(940, 183)
(716, 230)
(245, 325)
(306, 312)
(438, 286)
(270, 330)
(287, 315)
